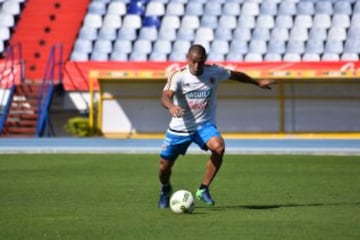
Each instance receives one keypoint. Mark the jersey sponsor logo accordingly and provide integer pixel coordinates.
(199, 94)
(198, 105)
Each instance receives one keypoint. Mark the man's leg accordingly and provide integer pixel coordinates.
(164, 177)
(217, 147)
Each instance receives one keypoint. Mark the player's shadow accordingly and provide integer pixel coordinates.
(274, 206)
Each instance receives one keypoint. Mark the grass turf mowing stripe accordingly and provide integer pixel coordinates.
(114, 196)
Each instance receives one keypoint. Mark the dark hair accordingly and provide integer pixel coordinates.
(197, 48)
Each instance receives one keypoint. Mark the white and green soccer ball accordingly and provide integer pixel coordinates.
(182, 201)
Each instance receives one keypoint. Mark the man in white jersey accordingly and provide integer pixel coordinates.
(189, 95)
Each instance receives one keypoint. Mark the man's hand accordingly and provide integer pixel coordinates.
(176, 111)
(266, 83)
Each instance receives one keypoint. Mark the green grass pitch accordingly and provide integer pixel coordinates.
(101, 196)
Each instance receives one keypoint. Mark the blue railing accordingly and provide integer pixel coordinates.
(13, 64)
(53, 74)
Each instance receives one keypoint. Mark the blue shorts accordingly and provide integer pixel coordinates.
(176, 144)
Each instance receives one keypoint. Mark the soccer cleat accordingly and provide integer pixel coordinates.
(165, 194)
(204, 195)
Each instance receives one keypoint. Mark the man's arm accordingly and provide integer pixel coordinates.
(242, 77)
(167, 102)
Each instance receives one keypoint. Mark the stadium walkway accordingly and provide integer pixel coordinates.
(233, 146)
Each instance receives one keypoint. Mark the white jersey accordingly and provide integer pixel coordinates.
(196, 95)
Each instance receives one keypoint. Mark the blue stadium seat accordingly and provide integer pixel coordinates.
(187, 34)
(151, 21)
(250, 8)
(330, 57)
(136, 8)
(209, 21)
(284, 21)
(317, 33)
(166, 33)
(4, 33)
(299, 33)
(127, 33)
(117, 8)
(322, 20)
(11, 8)
(83, 45)
(6, 20)
(242, 34)
(268, 8)
(231, 8)
(93, 20)
(194, 9)
(177, 56)
(272, 57)
(88, 33)
(341, 20)
(181, 46)
(334, 46)
(276, 46)
(257, 46)
(204, 33)
(342, 7)
(281, 34)
(305, 8)
(138, 57)
(142, 46)
(123, 46)
(337, 33)
(349, 57)
(97, 8)
(170, 22)
(107, 33)
(118, 56)
(155, 9)
(99, 56)
(190, 21)
(219, 46)
(216, 57)
(212, 9)
(265, 21)
(79, 56)
(158, 57)
(148, 33)
(324, 7)
(260, 33)
(104, 46)
(352, 46)
(175, 9)
(313, 46)
(295, 46)
(253, 57)
(162, 46)
(287, 7)
(223, 34)
(227, 21)
(236, 57)
(303, 20)
(113, 21)
(247, 21)
(292, 57)
(132, 21)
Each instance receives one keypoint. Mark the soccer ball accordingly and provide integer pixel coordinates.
(182, 201)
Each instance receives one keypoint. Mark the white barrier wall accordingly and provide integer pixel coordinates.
(291, 106)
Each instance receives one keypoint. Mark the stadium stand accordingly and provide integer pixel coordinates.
(290, 29)
(45, 23)
(294, 30)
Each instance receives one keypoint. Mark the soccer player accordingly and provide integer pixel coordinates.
(189, 96)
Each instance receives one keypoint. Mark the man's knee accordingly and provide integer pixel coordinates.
(217, 146)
